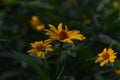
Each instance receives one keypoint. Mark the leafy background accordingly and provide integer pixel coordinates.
(98, 20)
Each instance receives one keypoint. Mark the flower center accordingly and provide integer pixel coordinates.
(63, 35)
(40, 47)
(105, 56)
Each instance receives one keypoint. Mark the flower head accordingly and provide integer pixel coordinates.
(39, 47)
(63, 35)
(35, 22)
(106, 56)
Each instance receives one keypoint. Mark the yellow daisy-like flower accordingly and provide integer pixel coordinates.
(36, 23)
(63, 35)
(39, 47)
(106, 56)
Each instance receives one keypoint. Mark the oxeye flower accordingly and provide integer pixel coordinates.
(63, 35)
(35, 22)
(107, 55)
(39, 47)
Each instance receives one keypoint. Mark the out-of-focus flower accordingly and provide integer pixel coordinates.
(35, 22)
(63, 35)
(117, 71)
(73, 3)
(39, 47)
(116, 4)
(106, 56)
(87, 21)
(7, 2)
(118, 14)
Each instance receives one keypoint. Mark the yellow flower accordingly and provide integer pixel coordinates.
(117, 71)
(36, 23)
(63, 35)
(39, 47)
(106, 56)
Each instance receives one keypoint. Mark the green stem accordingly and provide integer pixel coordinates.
(110, 45)
(62, 69)
(45, 69)
(43, 62)
(58, 62)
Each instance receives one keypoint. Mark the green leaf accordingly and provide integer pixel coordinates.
(71, 52)
(33, 63)
(35, 4)
(98, 77)
(11, 73)
(108, 40)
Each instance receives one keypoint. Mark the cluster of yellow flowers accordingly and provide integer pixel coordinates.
(64, 35)
(60, 34)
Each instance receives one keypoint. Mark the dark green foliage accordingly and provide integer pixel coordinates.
(16, 34)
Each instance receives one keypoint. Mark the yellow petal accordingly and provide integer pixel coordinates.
(112, 60)
(60, 27)
(40, 27)
(67, 40)
(105, 50)
(49, 49)
(40, 54)
(77, 37)
(53, 28)
(100, 54)
(35, 18)
(112, 57)
(74, 32)
(51, 33)
(32, 51)
(102, 63)
(110, 50)
(98, 59)
(66, 28)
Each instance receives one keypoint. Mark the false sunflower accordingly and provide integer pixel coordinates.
(35, 22)
(63, 35)
(107, 55)
(39, 47)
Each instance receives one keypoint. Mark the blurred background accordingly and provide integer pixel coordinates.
(97, 20)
